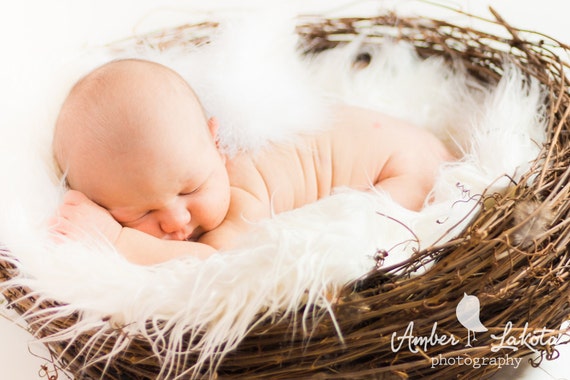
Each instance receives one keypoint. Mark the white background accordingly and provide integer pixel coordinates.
(40, 36)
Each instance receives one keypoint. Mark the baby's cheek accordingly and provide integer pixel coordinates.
(217, 213)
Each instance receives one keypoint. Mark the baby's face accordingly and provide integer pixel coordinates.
(176, 188)
(137, 143)
(181, 200)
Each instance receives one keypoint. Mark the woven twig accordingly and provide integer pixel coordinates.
(522, 282)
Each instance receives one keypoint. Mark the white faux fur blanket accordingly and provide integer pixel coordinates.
(262, 90)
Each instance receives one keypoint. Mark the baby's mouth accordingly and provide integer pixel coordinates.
(195, 235)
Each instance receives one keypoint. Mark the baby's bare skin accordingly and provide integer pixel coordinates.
(363, 150)
(145, 170)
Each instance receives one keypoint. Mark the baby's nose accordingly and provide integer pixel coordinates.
(175, 220)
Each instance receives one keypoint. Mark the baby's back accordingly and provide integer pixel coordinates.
(360, 150)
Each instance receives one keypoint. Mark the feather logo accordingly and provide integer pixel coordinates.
(467, 312)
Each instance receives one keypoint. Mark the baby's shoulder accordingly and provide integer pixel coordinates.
(246, 178)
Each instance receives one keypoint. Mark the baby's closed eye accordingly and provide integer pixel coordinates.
(190, 192)
(128, 220)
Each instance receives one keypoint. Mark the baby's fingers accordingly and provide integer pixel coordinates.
(62, 230)
(71, 212)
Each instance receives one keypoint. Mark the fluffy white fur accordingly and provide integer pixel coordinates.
(264, 91)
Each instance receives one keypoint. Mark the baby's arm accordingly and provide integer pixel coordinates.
(144, 249)
(78, 215)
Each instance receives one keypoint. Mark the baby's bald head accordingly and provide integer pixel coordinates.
(123, 108)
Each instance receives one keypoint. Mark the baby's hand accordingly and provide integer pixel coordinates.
(78, 215)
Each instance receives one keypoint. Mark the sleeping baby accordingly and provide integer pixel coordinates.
(144, 168)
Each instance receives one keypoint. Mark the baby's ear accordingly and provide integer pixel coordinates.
(213, 126)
